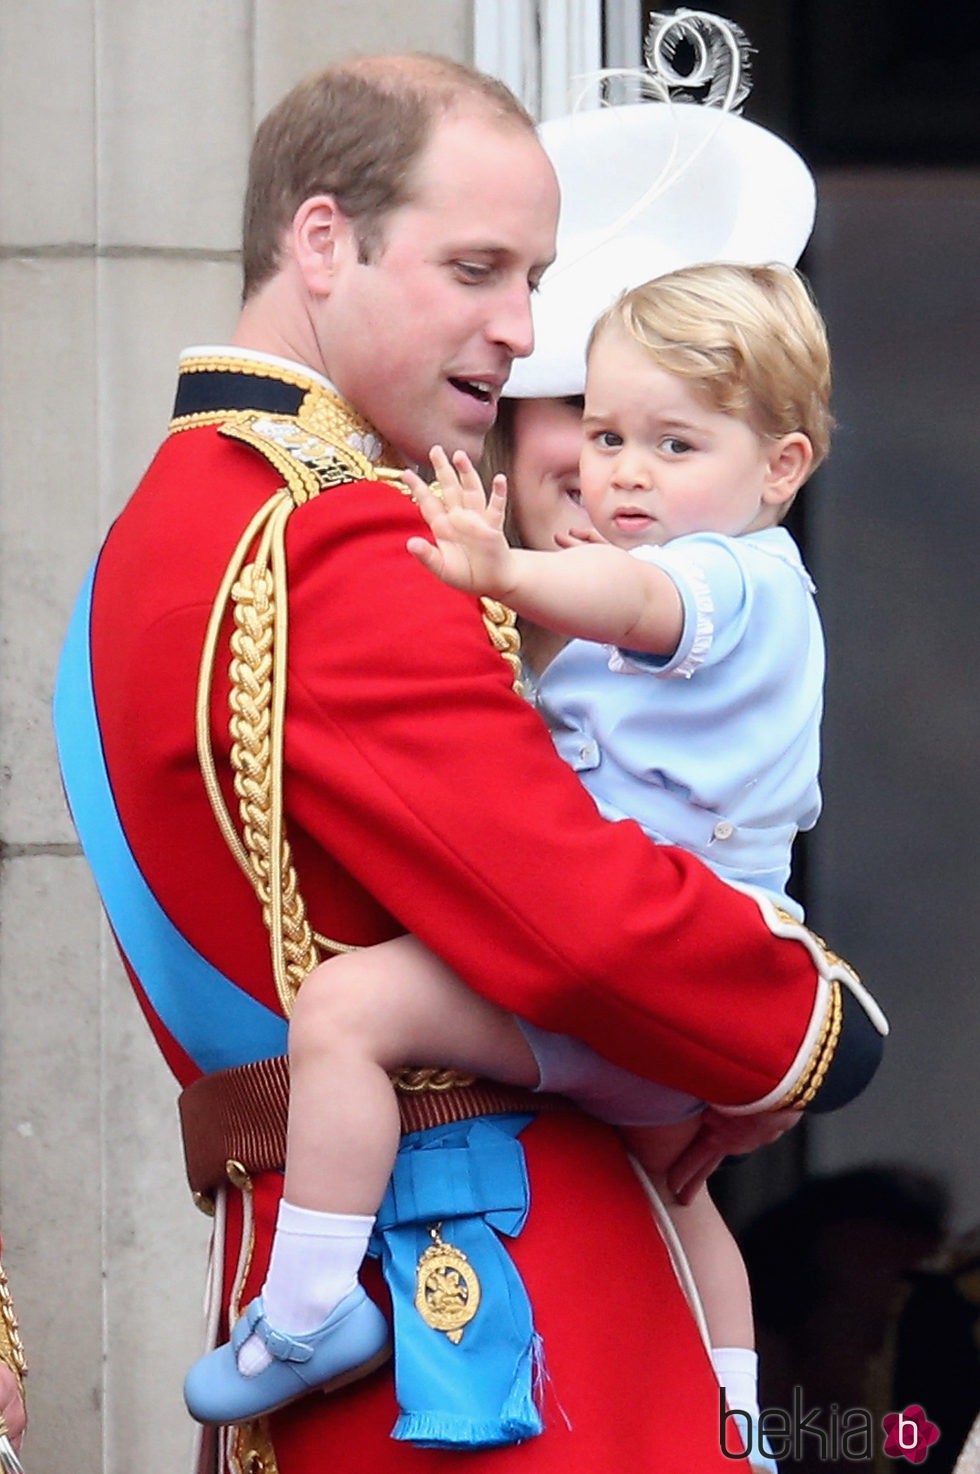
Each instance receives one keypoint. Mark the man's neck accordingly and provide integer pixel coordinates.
(272, 321)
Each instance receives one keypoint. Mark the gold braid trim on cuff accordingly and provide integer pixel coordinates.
(818, 1064)
(312, 454)
(11, 1346)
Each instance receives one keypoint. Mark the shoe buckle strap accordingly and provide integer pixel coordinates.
(277, 1343)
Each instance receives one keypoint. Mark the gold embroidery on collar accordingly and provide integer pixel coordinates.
(230, 363)
(196, 419)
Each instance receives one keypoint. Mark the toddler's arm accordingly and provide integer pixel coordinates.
(592, 592)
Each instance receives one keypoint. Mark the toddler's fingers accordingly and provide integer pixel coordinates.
(449, 487)
(586, 535)
(415, 484)
(424, 498)
(426, 553)
(473, 494)
(497, 505)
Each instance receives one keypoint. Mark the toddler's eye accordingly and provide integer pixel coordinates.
(674, 446)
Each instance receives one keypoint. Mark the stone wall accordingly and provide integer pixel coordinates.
(124, 133)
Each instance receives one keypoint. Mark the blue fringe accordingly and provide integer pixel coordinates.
(518, 1420)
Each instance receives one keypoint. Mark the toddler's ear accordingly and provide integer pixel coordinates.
(790, 460)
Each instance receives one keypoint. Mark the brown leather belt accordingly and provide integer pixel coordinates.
(239, 1116)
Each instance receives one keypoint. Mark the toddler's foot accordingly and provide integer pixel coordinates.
(351, 1342)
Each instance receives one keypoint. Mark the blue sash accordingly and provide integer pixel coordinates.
(214, 1021)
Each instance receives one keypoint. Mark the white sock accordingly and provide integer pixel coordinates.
(737, 1370)
(314, 1263)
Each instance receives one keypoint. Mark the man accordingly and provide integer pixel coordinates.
(378, 774)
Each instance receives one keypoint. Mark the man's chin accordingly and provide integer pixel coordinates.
(451, 440)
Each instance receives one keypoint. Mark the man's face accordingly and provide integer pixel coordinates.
(420, 340)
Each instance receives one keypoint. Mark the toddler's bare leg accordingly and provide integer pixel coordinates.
(715, 1260)
(719, 1273)
(356, 1017)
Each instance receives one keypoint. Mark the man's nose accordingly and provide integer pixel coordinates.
(511, 324)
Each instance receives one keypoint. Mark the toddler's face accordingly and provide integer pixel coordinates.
(658, 461)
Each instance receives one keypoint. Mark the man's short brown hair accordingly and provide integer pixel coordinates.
(355, 131)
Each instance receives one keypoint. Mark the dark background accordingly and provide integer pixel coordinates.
(882, 98)
(865, 82)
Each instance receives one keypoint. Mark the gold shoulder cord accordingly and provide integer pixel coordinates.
(258, 647)
(305, 450)
(11, 1346)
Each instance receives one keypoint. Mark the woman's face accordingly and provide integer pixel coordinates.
(545, 489)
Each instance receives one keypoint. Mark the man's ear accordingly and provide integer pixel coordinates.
(790, 459)
(319, 237)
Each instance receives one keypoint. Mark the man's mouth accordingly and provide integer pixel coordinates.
(484, 391)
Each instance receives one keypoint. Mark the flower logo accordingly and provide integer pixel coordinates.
(909, 1435)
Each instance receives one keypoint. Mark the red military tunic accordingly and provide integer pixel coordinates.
(422, 794)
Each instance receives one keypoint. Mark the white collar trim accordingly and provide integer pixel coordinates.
(252, 355)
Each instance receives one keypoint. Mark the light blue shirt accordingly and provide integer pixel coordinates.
(717, 748)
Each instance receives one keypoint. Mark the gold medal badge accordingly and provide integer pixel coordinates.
(447, 1290)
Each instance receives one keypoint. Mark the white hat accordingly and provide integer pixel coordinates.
(647, 188)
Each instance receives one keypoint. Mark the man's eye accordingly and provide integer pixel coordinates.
(472, 271)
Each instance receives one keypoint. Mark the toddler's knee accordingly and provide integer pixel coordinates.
(336, 1004)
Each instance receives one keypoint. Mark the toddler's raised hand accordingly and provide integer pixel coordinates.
(470, 551)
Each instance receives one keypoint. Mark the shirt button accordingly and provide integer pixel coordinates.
(723, 829)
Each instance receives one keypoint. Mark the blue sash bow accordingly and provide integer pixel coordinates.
(468, 1182)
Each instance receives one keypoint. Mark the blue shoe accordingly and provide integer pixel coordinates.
(353, 1341)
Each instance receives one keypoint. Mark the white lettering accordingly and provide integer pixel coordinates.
(902, 1421)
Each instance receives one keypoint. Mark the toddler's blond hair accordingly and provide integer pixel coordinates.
(750, 337)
